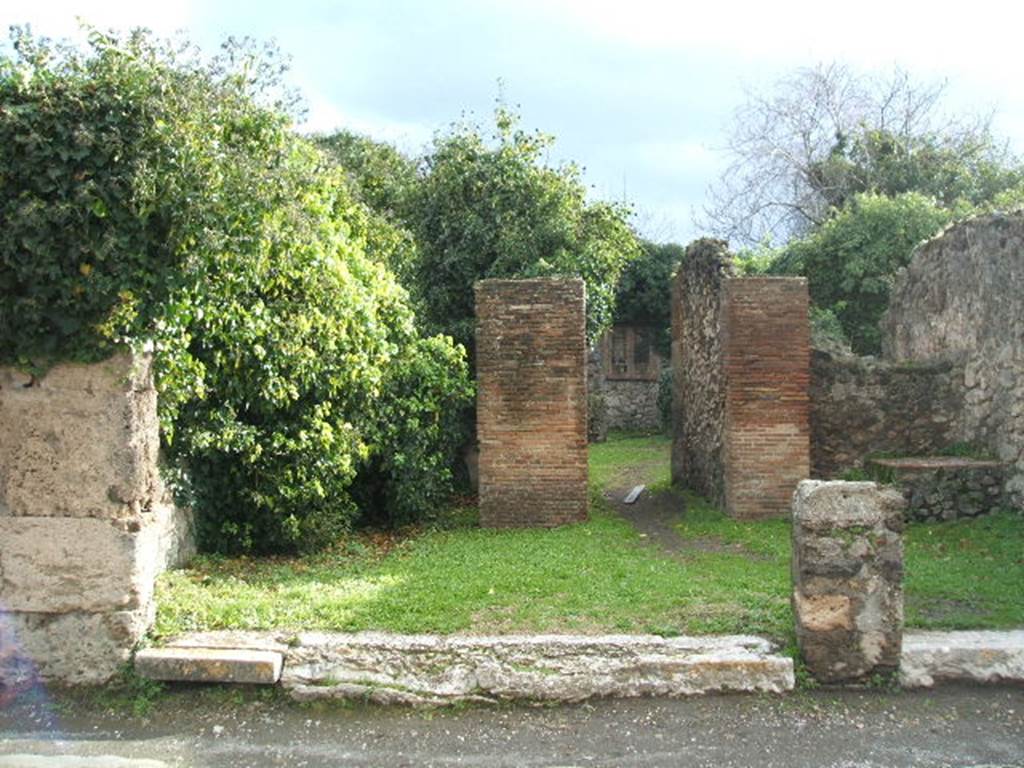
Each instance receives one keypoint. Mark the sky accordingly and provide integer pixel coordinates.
(639, 93)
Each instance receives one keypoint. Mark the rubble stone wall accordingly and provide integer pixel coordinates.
(698, 388)
(85, 523)
(862, 406)
(531, 401)
(962, 298)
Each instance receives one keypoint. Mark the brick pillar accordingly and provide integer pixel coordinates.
(531, 401)
(766, 362)
(848, 578)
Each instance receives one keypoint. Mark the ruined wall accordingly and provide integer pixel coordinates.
(632, 405)
(862, 406)
(531, 401)
(629, 404)
(962, 298)
(698, 390)
(85, 525)
(765, 356)
(740, 362)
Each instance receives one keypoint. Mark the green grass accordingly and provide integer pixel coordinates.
(627, 459)
(593, 577)
(597, 576)
(967, 574)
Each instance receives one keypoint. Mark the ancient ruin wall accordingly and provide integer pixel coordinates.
(698, 390)
(766, 364)
(962, 298)
(84, 522)
(531, 401)
(862, 406)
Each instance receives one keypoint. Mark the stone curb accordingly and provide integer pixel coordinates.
(210, 665)
(444, 669)
(436, 670)
(979, 656)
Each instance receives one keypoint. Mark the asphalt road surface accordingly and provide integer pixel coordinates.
(218, 728)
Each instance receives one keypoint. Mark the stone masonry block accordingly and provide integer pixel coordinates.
(80, 441)
(57, 565)
(76, 648)
(210, 665)
(848, 578)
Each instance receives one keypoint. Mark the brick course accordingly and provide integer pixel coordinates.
(531, 401)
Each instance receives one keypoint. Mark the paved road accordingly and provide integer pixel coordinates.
(214, 729)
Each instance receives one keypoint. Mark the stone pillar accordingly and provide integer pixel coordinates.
(84, 522)
(766, 360)
(531, 401)
(848, 578)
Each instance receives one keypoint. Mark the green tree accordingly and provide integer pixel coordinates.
(644, 292)
(851, 259)
(822, 135)
(497, 210)
(382, 179)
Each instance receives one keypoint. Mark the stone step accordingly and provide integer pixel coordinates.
(976, 656)
(210, 665)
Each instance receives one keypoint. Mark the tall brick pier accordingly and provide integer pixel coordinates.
(531, 401)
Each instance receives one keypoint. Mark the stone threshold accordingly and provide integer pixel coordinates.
(446, 669)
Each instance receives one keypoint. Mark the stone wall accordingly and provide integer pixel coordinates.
(944, 487)
(765, 358)
(616, 403)
(85, 524)
(740, 362)
(698, 389)
(962, 298)
(862, 406)
(848, 579)
(531, 401)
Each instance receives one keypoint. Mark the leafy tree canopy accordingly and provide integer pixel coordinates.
(493, 208)
(850, 261)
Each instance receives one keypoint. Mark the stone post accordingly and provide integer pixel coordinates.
(85, 525)
(848, 578)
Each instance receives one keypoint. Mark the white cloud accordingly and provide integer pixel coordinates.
(57, 18)
(870, 29)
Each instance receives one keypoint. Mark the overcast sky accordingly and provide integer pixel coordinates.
(640, 93)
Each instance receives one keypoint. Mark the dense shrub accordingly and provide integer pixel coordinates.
(149, 196)
(383, 179)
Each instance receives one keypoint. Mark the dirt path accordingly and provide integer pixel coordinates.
(654, 515)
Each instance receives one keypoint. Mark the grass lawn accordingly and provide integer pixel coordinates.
(599, 576)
